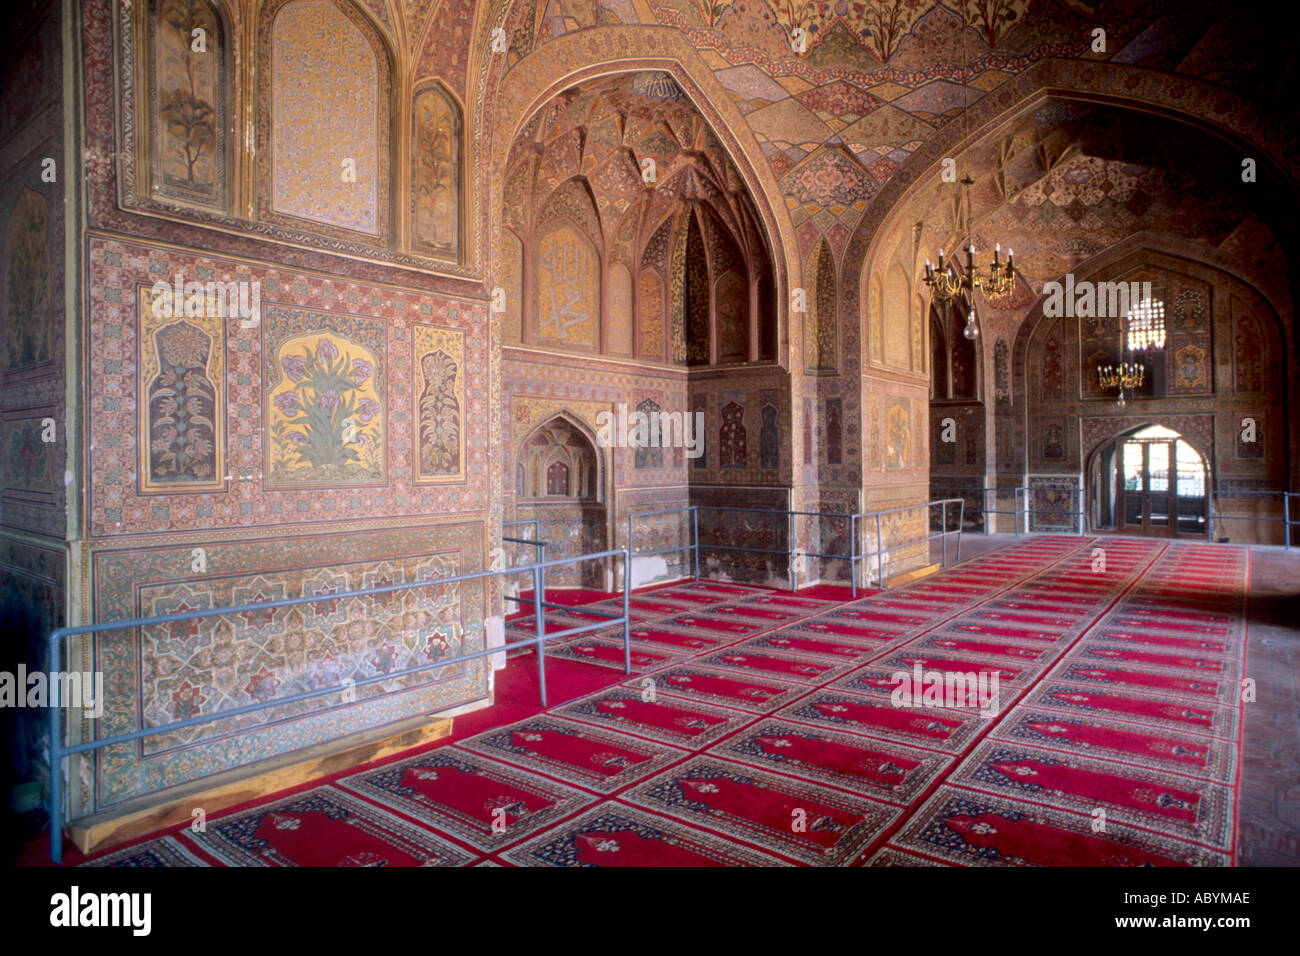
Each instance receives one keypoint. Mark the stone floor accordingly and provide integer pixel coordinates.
(1270, 798)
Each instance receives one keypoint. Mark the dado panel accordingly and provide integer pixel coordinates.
(167, 673)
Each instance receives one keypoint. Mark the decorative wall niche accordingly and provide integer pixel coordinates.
(821, 323)
(567, 289)
(182, 427)
(27, 278)
(436, 173)
(560, 462)
(440, 404)
(631, 167)
(188, 103)
(324, 127)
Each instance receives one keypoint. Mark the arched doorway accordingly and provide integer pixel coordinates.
(559, 480)
(1149, 481)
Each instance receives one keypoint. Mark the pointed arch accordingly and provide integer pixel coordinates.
(732, 308)
(963, 358)
(566, 287)
(896, 318)
(733, 444)
(560, 458)
(677, 305)
(573, 200)
(940, 386)
(648, 456)
(509, 98)
(696, 294)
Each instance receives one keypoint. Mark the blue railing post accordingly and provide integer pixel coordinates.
(943, 523)
(695, 537)
(794, 567)
(539, 590)
(880, 555)
(961, 526)
(630, 546)
(56, 759)
(627, 612)
(1286, 517)
(540, 619)
(853, 555)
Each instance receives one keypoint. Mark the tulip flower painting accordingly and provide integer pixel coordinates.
(326, 416)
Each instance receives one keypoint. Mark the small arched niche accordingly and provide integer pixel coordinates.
(559, 462)
(560, 482)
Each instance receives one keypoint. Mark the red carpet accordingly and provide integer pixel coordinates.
(324, 827)
(759, 729)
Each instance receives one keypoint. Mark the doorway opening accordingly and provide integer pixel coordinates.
(1149, 482)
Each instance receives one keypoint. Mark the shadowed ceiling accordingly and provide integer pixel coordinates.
(1069, 180)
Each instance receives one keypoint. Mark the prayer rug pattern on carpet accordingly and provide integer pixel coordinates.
(763, 728)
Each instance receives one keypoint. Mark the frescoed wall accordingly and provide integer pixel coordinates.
(189, 102)
(181, 670)
(1215, 325)
(183, 387)
(327, 129)
(646, 185)
(568, 290)
(340, 413)
(323, 433)
(436, 195)
(34, 443)
(325, 384)
(590, 220)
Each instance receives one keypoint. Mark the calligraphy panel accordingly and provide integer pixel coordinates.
(568, 290)
(325, 119)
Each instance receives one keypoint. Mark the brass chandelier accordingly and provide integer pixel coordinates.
(1126, 376)
(1141, 331)
(946, 285)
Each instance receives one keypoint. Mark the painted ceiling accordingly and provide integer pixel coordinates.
(1069, 180)
(877, 79)
(603, 135)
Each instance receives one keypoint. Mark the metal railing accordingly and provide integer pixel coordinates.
(795, 555)
(58, 750)
(1290, 517)
(536, 542)
(1023, 509)
(1018, 510)
(881, 551)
